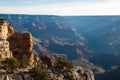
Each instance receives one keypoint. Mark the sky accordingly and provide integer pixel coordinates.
(61, 7)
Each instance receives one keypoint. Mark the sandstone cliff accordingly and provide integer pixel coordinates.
(21, 44)
(5, 31)
(6, 28)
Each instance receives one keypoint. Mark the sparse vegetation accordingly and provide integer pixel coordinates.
(39, 73)
(24, 62)
(62, 64)
(68, 77)
(11, 64)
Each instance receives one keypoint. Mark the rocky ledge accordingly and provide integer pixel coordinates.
(76, 73)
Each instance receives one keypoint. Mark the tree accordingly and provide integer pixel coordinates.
(11, 64)
(63, 65)
(24, 62)
(39, 73)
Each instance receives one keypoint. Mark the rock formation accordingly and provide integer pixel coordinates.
(76, 73)
(21, 44)
(4, 50)
(4, 44)
(5, 29)
(48, 59)
(20, 76)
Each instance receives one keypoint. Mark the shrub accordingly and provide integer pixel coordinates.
(62, 64)
(11, 64)
(39, 73)
(24, 62)
(68, 76)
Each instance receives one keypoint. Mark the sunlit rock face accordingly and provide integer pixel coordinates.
(4, 50)
(5, 29)
(4, 44)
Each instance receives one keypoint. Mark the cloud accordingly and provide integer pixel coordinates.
(110, 7)
(20, 3)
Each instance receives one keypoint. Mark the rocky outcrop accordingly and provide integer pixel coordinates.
(4, 50)
(20, 76)
(21, 44)
(48, 59)
(4, 44)
(22, 41)
(76, 73)
(5, 29)
(80, 74)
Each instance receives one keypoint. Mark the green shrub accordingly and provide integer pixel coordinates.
(24, 62)
(68, 76)
(39, 73)
(11, 64)
(62, 64)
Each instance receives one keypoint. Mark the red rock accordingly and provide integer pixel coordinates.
(21, 44)
(48, 59)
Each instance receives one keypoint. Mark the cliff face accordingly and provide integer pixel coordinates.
(21, 44)
(5, 29)
(22, 41)
(4, 50)
(4, 44)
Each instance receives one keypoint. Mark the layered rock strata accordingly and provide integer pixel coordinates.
(4, 44)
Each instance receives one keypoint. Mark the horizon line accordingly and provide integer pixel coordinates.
(58, 15)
